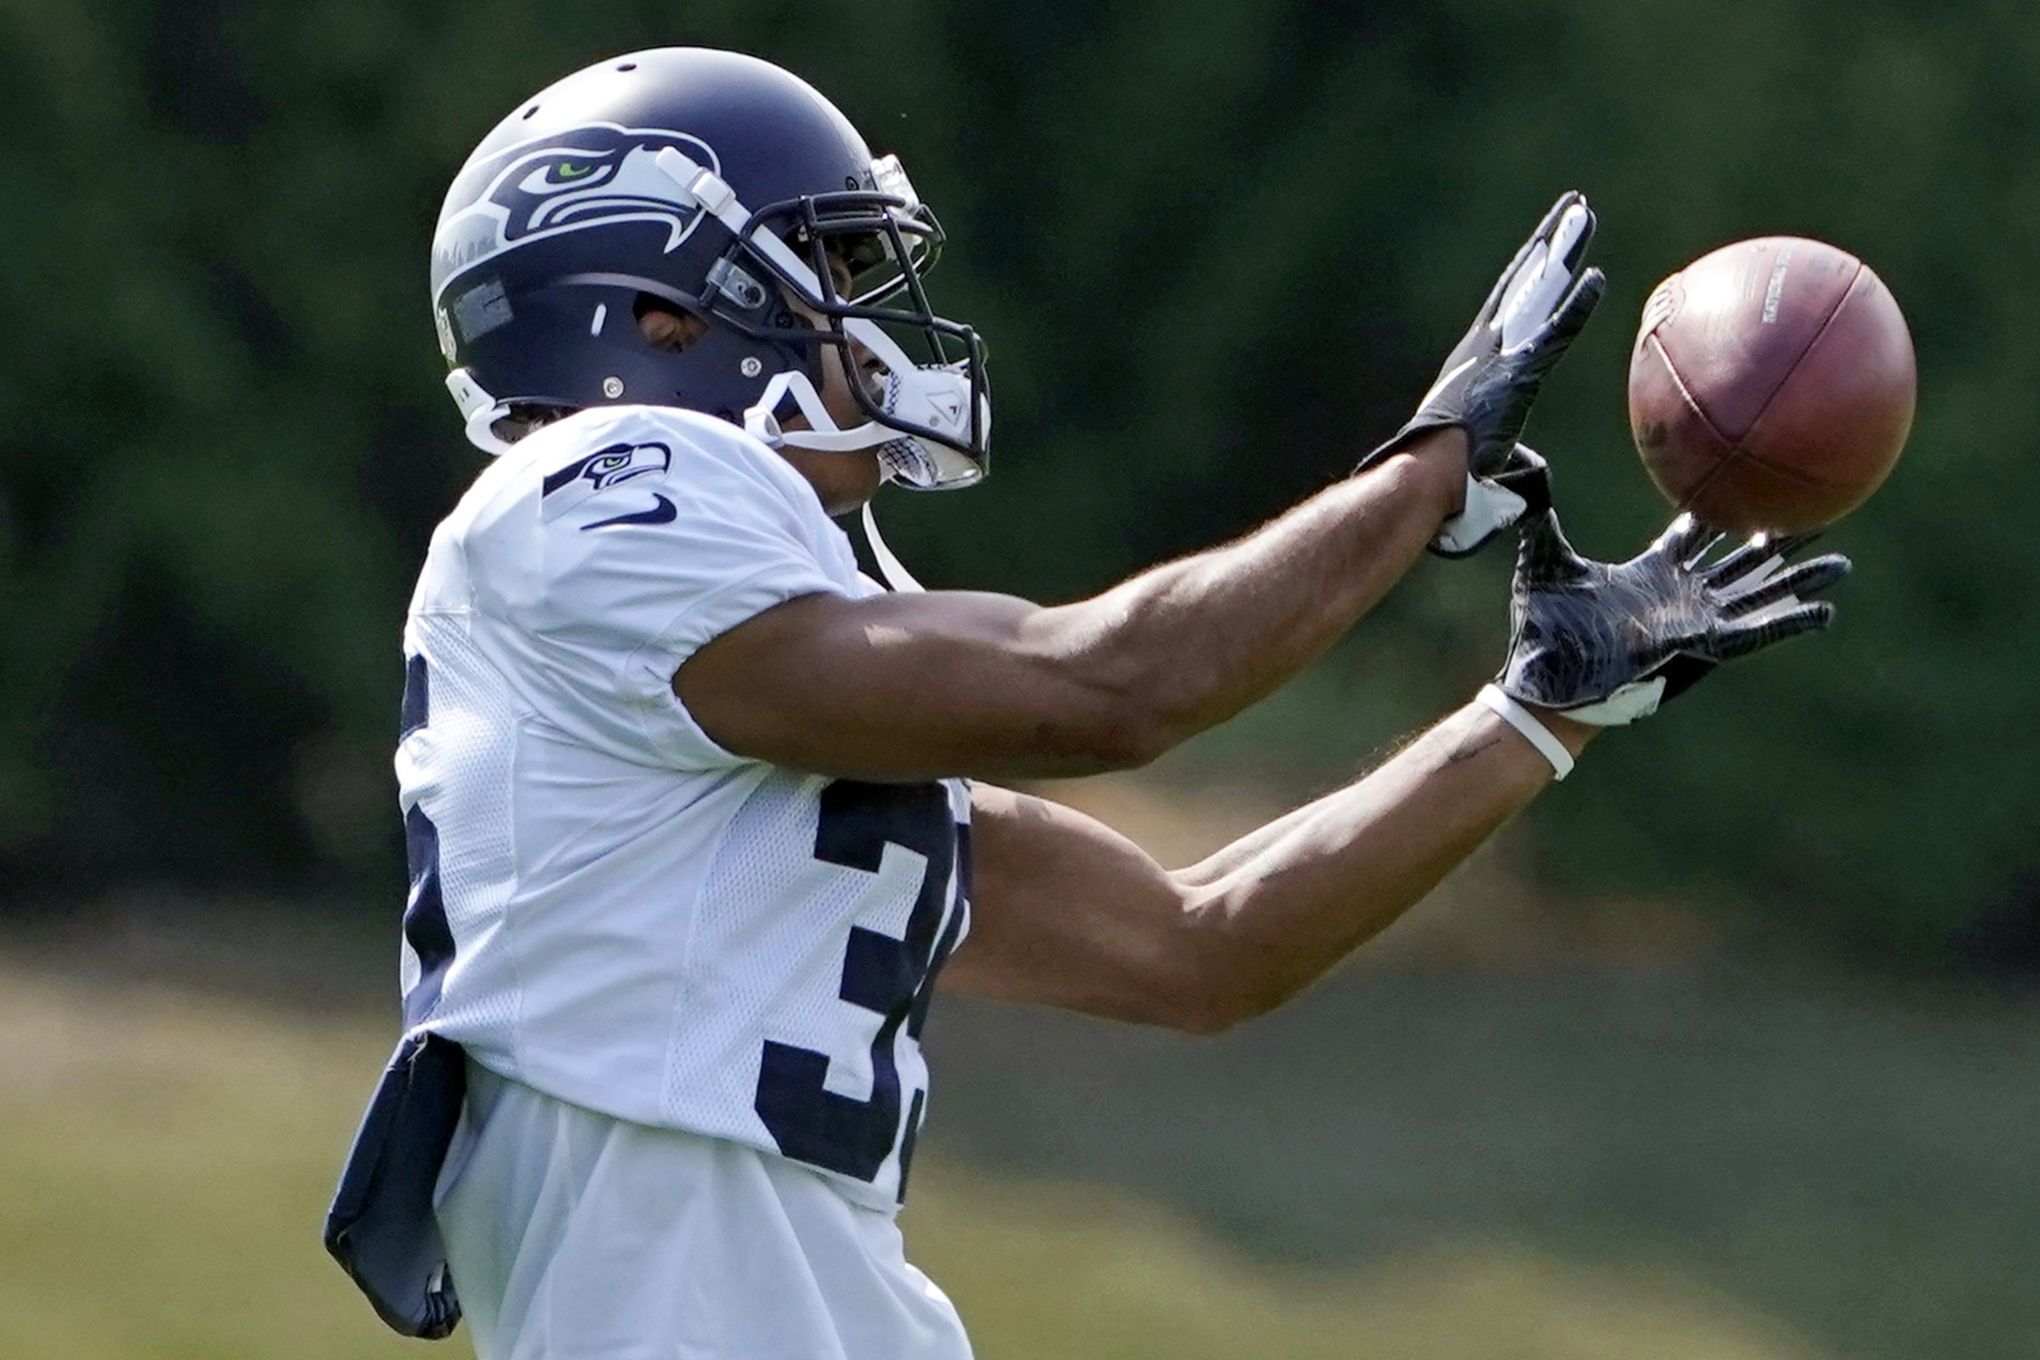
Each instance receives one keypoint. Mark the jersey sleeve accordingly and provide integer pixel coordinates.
(683, 534)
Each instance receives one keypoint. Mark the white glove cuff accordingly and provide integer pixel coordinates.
(1489, 510)
(1637, 699)
(1524, 721)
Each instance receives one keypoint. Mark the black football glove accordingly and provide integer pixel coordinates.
(1487, 385)
(1607, 644)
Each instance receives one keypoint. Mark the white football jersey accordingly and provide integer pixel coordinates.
(605, 904)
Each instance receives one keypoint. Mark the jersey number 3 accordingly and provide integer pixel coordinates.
(891, 977)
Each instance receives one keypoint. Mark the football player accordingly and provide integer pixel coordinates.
(697, 813)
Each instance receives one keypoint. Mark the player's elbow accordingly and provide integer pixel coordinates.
(1219, 980)
(1215, 1005)
(1187, 1000)
(1228, 1001)
(1236, 972)
(1205, 1014)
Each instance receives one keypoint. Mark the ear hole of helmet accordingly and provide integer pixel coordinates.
(664, 325)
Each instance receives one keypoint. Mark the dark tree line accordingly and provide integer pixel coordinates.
(1218, 248)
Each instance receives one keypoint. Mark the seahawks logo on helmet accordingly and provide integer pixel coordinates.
(593, 175)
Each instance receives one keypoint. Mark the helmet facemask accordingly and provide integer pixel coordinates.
(928, 421)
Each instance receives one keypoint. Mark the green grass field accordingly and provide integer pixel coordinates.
(168, 1154)
(1622, 1143)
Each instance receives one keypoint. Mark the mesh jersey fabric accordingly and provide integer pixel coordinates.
(641, 922)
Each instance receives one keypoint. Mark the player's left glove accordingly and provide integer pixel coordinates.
(1606, 644)
(1489, 381)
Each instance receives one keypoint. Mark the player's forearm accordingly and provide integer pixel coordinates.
(1193, 642)
(1280, 907)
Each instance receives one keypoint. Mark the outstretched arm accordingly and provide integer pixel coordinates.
(1066, 912)
(913, 687)
(1069, 913)
(901, 687)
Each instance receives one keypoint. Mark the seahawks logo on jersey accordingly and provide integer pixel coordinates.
(598, 174)
(611, 465)
(573, 485)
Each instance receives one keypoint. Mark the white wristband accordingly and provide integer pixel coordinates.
(1534, 732)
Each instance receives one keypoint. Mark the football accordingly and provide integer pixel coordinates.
(1772, 385)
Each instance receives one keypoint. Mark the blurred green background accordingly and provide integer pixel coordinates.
(1720, 1050)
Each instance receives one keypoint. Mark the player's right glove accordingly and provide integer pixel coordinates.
(1489, 381)
(1606, 644)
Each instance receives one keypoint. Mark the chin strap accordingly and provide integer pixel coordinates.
(895, 572)
(762, 425)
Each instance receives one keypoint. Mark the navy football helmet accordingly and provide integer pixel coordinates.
(721, 186)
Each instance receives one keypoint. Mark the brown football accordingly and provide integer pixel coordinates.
(1772, 385)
